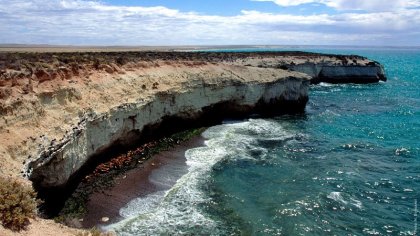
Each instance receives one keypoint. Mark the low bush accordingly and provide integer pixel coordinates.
(18, 204)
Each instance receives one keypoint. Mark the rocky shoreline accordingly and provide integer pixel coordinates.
(60, 167)
(65, 113)
(110, 185)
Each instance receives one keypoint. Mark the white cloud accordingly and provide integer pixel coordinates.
(367, 5)
(287, 3)
(95, 23)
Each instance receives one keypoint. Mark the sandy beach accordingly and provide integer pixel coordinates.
(138, 183)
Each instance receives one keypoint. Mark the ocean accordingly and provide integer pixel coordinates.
(349, 166)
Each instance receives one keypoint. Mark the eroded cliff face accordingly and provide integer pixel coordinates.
(200, 102)
(59, 111)
(335, 69)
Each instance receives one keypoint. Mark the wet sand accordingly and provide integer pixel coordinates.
(138, 183)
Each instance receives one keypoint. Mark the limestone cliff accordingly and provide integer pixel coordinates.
(60, 110)
(325, 68)
(197, 100)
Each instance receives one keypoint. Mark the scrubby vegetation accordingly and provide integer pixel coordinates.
(66, 62)
(18, 204)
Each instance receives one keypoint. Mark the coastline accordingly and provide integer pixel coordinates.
(136, 183)
(69, 111)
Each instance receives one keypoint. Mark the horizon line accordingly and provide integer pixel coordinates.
(23, 45)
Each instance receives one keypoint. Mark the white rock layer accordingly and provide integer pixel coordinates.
(96, 132)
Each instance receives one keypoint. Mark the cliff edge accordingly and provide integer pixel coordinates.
(61, 110)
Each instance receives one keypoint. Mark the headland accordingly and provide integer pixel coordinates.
(64, 113)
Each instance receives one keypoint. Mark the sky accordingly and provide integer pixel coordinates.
(215, 22)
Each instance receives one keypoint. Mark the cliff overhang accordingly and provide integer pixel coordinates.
(82, 107)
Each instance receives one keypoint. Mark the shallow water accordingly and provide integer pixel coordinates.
(350, 165)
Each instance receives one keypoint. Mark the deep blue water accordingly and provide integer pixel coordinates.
(349, 166)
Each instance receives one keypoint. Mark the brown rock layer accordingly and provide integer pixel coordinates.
(58, 111)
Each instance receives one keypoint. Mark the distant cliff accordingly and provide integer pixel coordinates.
(336, 69)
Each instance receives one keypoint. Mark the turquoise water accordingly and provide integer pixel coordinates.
(349, 166)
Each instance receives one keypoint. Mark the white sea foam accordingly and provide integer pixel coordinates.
(323, 84)
(356, 203)
(338, 197)
(166, 176)
(401, 151)
(177, 209)
(142, 205)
